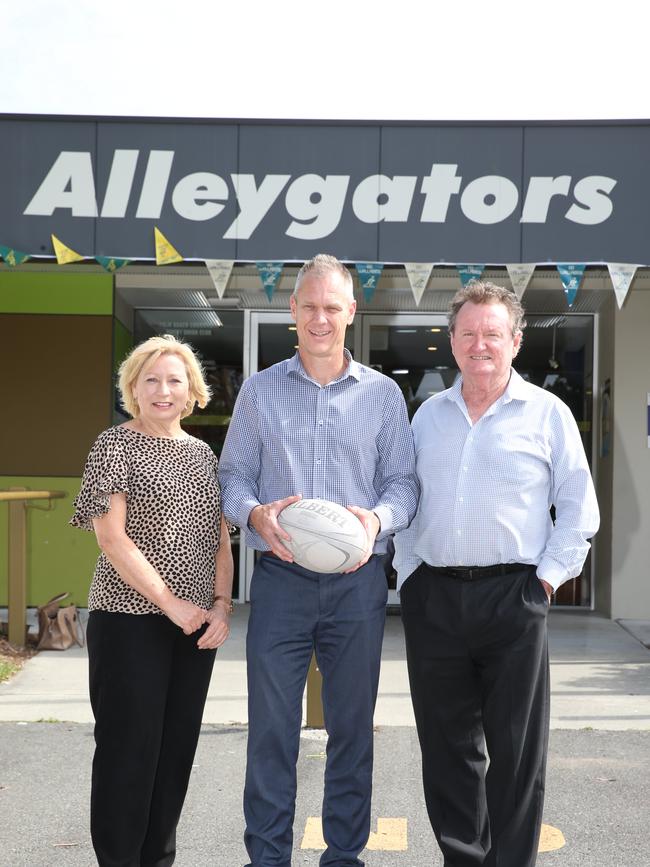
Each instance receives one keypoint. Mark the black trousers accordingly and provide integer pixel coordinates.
(148, 685)
(478, 669)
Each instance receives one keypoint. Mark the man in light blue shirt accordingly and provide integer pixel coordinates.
(317, 425)
(476, 570)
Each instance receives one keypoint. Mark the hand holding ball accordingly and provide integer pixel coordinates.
(325, 537)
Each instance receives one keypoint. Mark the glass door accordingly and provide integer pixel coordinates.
(557, 354)
(413, 349)
(272, 338)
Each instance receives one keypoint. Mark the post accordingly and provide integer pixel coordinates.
(315, 718)
(17, 584)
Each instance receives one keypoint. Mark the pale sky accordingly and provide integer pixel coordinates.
(343, 59)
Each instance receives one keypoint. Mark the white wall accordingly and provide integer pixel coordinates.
(630, 555)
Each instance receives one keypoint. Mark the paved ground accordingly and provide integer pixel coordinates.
(600, 677)
(598, 783)
(598, 795)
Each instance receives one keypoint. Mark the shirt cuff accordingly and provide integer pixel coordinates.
(552, 572)
(245, 512)
(385, 515)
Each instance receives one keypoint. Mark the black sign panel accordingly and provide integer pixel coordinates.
(475, 193)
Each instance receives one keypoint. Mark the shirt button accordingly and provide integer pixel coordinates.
(464, 469)
(320, 421)
(318, 461)
(461, 499)
(459, 532)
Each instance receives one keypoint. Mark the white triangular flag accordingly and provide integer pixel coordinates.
(418, 274)
(520, 275)
(220, 270)
(621, 276)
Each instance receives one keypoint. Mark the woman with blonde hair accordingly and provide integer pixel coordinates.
(159, 602)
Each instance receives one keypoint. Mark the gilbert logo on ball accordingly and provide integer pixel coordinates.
(325, 537)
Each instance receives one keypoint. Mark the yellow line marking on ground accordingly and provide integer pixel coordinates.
(391, 835)
(550, 839)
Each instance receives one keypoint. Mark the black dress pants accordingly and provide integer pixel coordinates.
(148, 685)
(478, 669)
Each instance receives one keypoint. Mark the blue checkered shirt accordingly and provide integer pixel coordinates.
(348, 441)
(487, 488)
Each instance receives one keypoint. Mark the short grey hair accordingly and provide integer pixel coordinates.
(484, 292)
(322, 265)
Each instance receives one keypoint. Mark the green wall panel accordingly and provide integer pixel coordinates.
(60, 292)
(59, 557)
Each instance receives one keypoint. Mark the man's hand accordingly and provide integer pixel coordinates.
(264, 520)
(547, 587)
(370, 523)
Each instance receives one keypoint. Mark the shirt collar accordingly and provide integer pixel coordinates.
(295, 366)
(517, 389)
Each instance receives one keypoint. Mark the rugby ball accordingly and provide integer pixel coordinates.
(325, 537)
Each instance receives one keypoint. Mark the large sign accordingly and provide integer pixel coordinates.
(382, 192)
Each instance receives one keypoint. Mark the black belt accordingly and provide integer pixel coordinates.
(475, 573)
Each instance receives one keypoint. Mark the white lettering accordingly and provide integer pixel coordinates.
(120, 181)
(154, 186)
(474, 200)
(539, 195)
(254, 202)
(441, 184)
(68, 184)
(316, 204)
(594, 205)
(194, 195)
(399, 192)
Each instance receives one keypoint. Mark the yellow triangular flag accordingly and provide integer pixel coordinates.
(165, 253)
(64, 255)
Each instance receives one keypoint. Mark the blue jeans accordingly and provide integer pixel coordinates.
(341, 617)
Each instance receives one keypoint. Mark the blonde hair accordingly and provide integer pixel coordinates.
(147, 353)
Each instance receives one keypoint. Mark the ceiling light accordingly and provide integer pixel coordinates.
(400, 371)
(432, 348)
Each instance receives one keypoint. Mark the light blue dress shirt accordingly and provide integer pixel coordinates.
(348, 441)
(486, 488)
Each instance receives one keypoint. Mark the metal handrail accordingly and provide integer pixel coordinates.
(20, 494)
(17, 556)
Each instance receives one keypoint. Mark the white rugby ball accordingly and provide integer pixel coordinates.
(325, 537)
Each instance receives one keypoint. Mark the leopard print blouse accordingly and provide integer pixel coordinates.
(173, 514)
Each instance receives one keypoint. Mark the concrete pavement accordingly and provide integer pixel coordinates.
(600, 678)
(597, 789)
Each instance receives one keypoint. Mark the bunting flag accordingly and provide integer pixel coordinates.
(570, 275)
(13, 257)
(165, 253)
(621, 276)
(64, 255)
(112, 263)
(220, 270)
(369, 274)
(269, 275)
(418, 274)
(520, 275)
(469, 272)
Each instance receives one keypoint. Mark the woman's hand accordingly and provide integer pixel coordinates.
(218, 629)
(185, 614)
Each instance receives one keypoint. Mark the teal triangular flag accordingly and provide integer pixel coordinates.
(369, 274)
(112, 263)
(269, 274)
(469, 272)
(570, 275)
(13, 257)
